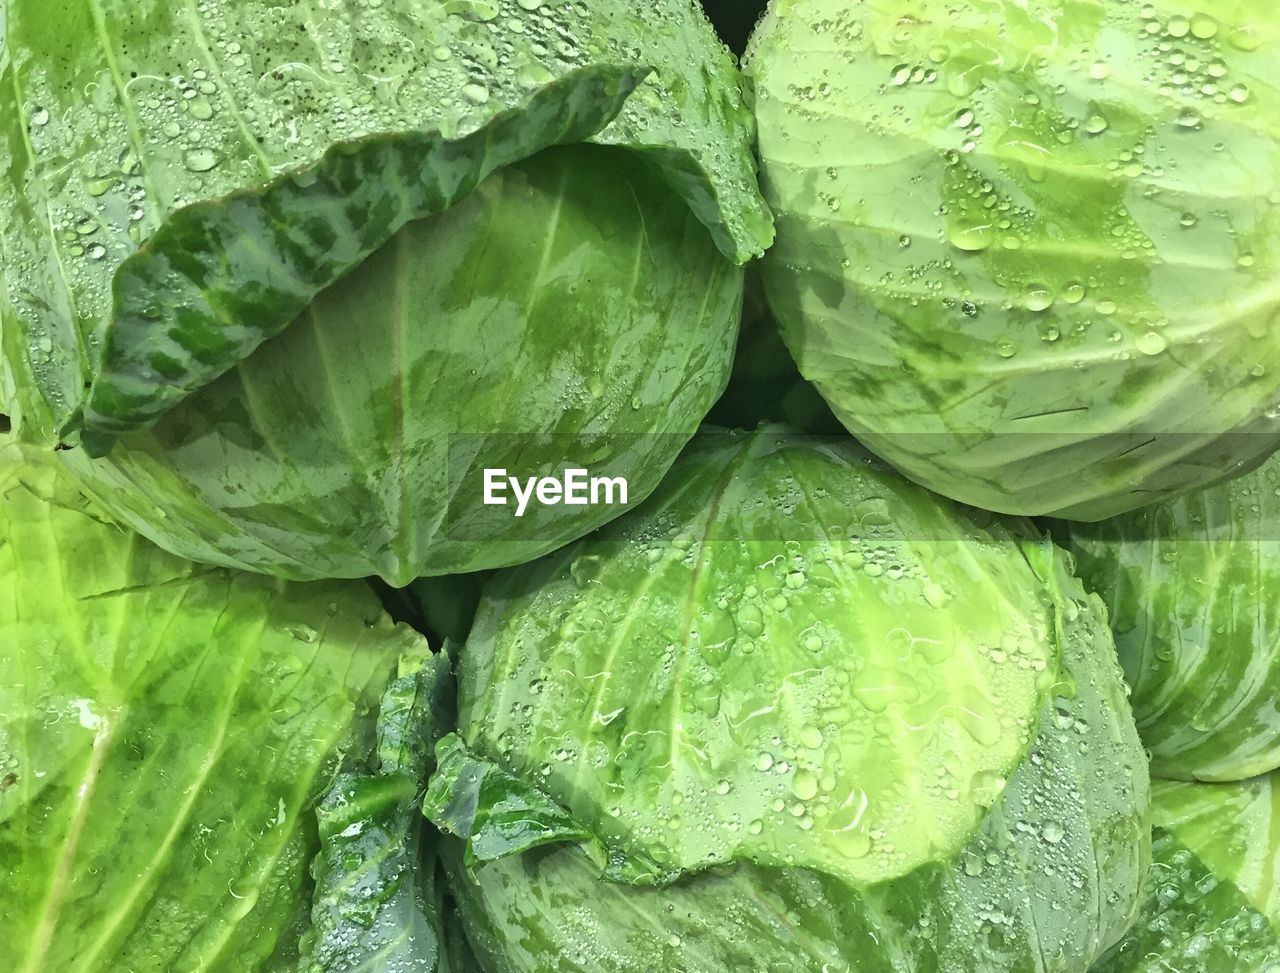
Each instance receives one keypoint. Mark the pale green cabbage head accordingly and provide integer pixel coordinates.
(1028, 249)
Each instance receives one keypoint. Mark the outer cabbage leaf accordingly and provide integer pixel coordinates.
(1047, 882)
(1193, 588)
(1213, 897)
(1028, 249)
(376, 907)
(181, 181)
(548, 320)
(757, 665)
(164, 729)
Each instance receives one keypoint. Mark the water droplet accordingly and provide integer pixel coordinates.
(1178, 27)
(1189, 118)
(1038, 298)
(1189, 220)
(1239, 93)
(1152, 343)
(1095, 125)
(1006, 348)
(810, 737)
(973, 238)
(965, 118)
(40, 117)
(477, 94)
(200, 160)
(1203, 26)
(804, 785)
(200, 108)
(1073, 292)
(985, 787)
(1052, 833)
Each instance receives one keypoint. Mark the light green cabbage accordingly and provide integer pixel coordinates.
(1193, 590)
(1027, 249)
(164, 731)
(349, 242)
(856, 724)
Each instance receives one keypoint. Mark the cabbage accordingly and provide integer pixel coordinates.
(1027, 250)
(1212, 902)
(1193, 591)
(165, 729)
(374, 247)
(889, 736)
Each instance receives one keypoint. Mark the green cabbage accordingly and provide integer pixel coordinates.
(1193, 591)
(893, 730)
(1213, 898)
(164, 730)
(348, 241)
(1027, 250)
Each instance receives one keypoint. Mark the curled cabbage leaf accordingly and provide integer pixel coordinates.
(260, 234)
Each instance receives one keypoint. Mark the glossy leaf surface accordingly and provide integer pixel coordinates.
(376, 908)
(1027, 249)
(712, 681)
(1047, 881)
(164, 729)
(180, 186)
(545, 321)
(1193, 590)
(1212, 896)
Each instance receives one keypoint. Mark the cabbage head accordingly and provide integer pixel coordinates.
(1213, 899)
(1192, 587)
(290, 280)
(811, 716)
(166, 730)
(1027, 249)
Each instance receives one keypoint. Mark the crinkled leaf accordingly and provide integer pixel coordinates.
(179, 187)
(164, 728)
(378, 435)
(417, 710)
(376, 909)
(499, 816)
